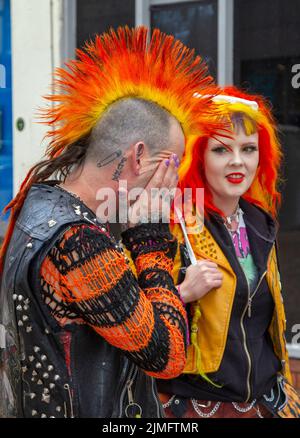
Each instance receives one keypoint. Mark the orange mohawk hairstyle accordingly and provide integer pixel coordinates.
(123, 64)
(115, 66)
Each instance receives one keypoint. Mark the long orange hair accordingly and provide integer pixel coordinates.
(263, 191)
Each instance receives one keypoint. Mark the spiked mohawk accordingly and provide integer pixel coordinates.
(118, 65)
(123, 64)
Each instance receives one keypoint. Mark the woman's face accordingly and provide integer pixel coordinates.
(231, 165)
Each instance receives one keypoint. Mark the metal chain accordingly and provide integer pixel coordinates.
(169, 402)
(202, 414)
(239, 409)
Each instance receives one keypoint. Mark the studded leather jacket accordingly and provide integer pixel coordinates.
(35, 377)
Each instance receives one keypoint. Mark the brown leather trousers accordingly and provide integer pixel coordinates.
(211, 409)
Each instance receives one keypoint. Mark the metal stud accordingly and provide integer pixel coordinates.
(51, 223)
(29, 245)
(33, 379)
(31, 358)
(43, 357)
(51, 385)
(15, 296)
(36, 349)
(28, 329)
(34, 373)
(46, 391)
(46, 398)
(25, 307)
(45, 376)
(25, 318)
(32, 395)
(103, 229)
(20, 297)
(56, 377)
(38, 365)
(50, 368)
(51, 416)
(19, 307)
(27, 301)
(39, 382)
(24, 369)
(43, 416)
(20, 323)
(33, 413)
(47, 331)
(58, 409)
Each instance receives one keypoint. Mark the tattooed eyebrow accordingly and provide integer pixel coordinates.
(110, 158)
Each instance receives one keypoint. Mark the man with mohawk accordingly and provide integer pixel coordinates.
(80, 334)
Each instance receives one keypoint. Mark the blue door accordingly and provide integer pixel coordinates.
(6, 171)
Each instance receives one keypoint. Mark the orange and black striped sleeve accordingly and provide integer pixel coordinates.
(86, 276)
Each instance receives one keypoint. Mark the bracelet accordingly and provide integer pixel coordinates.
(188, 339)
(178, 288)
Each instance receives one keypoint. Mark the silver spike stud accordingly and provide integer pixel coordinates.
(58, 408)
(24, 369)
(19, 307)
(56, 377)
(46, 391)
(43, 416)
(43, 357)
(15, 296)
(34, 373)
(38, 365)
(51, 385)
(46, 398)
(31, 358)
(26, 301)
(20, 323)
(28, 329)
(50, 368)
(25, 318)
(32, 395)
(20, 297)
(33, 412)
(39, 382)
(45, 376)
(36, 349)
(47, 331)
(29, 245)
(51, 223)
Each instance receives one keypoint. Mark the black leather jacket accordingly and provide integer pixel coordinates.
(36, 378)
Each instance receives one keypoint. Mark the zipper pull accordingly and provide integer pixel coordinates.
(129, 392)
(249, 307)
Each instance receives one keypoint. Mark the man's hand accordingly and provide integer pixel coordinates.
(199, 280)
(151, 203)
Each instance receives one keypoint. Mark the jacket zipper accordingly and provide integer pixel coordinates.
(248, 306)
(159, 414)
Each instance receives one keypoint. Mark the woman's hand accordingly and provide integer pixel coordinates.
(199, 280)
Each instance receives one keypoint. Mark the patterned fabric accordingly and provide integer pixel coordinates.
(86, 279)
(242, 249)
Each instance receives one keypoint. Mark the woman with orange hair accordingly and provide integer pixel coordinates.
(237, 363)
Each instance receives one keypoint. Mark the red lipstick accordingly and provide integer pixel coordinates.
(235, 178)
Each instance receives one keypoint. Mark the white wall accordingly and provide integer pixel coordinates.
(40, 41)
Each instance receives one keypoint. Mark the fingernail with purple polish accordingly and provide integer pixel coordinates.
(167, 163)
